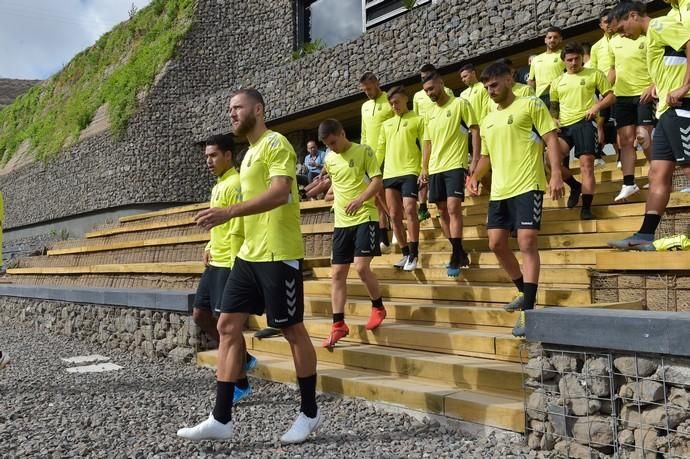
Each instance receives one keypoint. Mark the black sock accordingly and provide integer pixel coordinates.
(566, 162)
(530, 295)
(414, 249)
(307, 391)
(628, 180)
(242, 383)
(383, 235)
(405, 250)
(587, 201)
(650, 223)
(377, 303)
(222, 411)
(338, 317)
(520, 284)
(456, 243)
(422, 206)
(572, 183)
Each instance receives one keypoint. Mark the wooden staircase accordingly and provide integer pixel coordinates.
(446, 346)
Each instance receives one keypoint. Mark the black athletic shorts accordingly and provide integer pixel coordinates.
(209, 293)
(581, 135)
(355, 241)
(546, 98)
(405, 184)
(671, 140)
(275, 287)
(610, 134)
(448, 184)
(630, 112)
(519, 212)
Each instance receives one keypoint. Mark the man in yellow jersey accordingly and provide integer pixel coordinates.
(422, 105)
(267, 273)
(400, 139)
(513, 139)
(575, 108)
(444, 162)
(356, 177)
(375, 111)
(680, 11)
(475, 93)
(600, 60)
(634, 108)
(222, 248)
(548, 65)
(667, 60)
(519, 89)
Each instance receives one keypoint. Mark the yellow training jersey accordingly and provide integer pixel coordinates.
(599, 55)
(421, 103)
(374, 113)
(479, 100)
(575, 93)
(629, 58)
(666, 60)
(511, 138)
(350, 173)
(448, 129)
(681, 12)
(399, 142)
(519, 89)
(274, 235)
(226, 239)
(544, 69)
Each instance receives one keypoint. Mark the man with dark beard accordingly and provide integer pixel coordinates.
(267, 274)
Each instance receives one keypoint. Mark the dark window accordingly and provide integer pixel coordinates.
(328, 21)
(378, 11)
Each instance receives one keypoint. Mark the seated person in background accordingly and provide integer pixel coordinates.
(313, 160)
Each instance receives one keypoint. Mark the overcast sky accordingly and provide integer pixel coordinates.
(38, 37)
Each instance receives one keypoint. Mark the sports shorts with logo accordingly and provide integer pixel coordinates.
(523, 211)
(581, 135)
(629, 111)
(274, 287)
(209, 293)
(671, 139)
(448, 184)
(405, 184)
(355, 241)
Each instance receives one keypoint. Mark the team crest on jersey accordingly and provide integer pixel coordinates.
(405, 124)
(447, 114)
(380, 107)
(352, 163)
(555, 59)
(641, 45)
(582, 82)
(510, 119)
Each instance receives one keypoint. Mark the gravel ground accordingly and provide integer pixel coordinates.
(135, 412)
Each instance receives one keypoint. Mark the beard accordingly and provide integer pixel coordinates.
(245, 126)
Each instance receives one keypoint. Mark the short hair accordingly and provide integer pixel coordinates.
(572, 48)
(495, 70)
(587, 48)
(604, 13)
(623, 9)
(467, 68)
(368, 76)
(252, 93)
(554, 29)
(505, 60)
(224, 142)
(430, 76)
(328, 127)
(426, 68)
(400, 89)
(313, 140)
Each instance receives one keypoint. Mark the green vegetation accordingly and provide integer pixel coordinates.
(123, 63)
(308, 48)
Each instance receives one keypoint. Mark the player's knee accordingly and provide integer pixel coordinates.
(338, 274)
(643, 137)
(528, 243)
(410, 209)
(228, 328)
(395, 212)
(363, 269)
(497, 245)
(294, 333)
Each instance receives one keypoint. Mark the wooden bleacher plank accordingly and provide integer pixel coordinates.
(164, 212)
(644, 261)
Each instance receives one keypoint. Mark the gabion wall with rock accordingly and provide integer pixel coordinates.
(589, 403)
(156, 334)
(156, 160)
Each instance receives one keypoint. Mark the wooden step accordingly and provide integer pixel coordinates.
(457, 341)
(451, 292)
(165, 212)
(644, 261)
(430, 275)
(458, 371)
(494, 410)
(569, 257)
